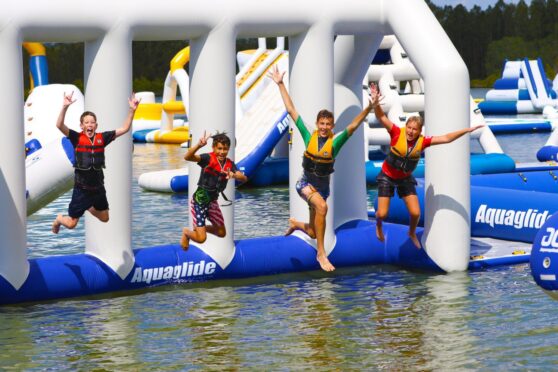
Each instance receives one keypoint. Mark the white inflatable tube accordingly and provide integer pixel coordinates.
(48, 174)
(502, 95)
(42, 108)
(159, 181)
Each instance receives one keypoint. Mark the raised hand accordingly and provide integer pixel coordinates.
(375, 96)
(68, 99)
(133, 102)
(203, 139)
(230, 175)
(472, 129)
(275, 75)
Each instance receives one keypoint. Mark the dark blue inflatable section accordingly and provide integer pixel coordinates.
(273, 171)
(547, 153)
(381, 57)
(84, 275)
(541, 181)
(544, 255)
(523, 95)
(535, 126)
(480, 164)
(68, 149)
(140, 135)
(495, 212)
(506, 83)
(38, 67)
(32, 146)
(498, 107)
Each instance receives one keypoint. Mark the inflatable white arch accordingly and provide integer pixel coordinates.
(321, 76)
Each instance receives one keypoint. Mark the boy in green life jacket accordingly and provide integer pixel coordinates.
(322, 146)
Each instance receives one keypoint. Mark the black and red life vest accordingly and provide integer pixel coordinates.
(213, 177)
(90, 154)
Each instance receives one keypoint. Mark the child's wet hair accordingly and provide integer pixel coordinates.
(324, 114)
(87, 113)
(415, 119)
(221, 138)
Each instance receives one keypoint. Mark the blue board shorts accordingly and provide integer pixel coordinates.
(322, 187)
(83, 199)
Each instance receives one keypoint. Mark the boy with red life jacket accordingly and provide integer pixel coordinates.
(406, 146)
(322, 146)
(217, 170)
(89, 192)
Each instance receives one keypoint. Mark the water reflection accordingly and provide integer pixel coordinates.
(446, 312)
(210, 329)
(373, 318)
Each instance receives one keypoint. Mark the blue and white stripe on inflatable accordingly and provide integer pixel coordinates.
(519, 91)
(544, 256)
(38, 68)
(85, 275)
(499, 213)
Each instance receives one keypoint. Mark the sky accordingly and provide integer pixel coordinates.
(471, 3)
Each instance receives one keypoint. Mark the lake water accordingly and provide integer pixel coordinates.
(374, 318)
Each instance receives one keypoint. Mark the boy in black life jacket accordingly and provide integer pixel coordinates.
(217, 170)
(89, 191)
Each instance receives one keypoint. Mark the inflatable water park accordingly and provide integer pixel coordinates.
(262, 151)
(465, 226)
(260, 122)
(523, 88)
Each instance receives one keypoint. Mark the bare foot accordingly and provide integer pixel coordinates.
(55, 226)
(324, 263)
(292, 226)
(415, 240)
(184, 240)
(379, 233)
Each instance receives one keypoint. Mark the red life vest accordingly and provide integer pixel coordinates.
(212, 177)
(90, 154)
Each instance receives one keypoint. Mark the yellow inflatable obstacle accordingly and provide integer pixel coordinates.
(155, 122)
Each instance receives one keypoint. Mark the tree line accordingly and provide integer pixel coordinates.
(483, 37)
(486, 38)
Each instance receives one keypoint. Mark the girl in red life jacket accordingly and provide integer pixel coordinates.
(406, 145)
(217, 170)
(89, 191)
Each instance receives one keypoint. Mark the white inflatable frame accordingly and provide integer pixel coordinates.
(322, 75)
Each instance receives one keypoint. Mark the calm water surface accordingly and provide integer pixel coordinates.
(379, 318)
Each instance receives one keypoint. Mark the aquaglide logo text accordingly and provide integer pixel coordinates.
(187, 269)
(530, 218)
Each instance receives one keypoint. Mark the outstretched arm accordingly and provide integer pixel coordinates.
(277, 77)
(360, 117)
(60, 121)
(191, 153)
(452, 136)
(239, 176)
(376, 100)
(134, 103)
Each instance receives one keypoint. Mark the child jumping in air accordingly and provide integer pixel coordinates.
(89, 190)
(322, 146)
(217, 170)
(406, 145)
